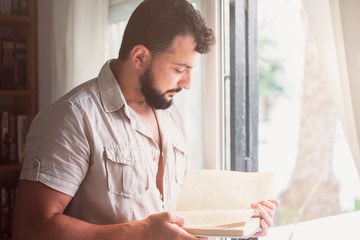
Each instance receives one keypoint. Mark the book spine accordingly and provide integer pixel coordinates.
(12, 139)
(20, 64)
(7, 202)
(21, 136)
(4, 225)
(23, 7)
(5, 7)
(4, 137)
(15, 8)
(12, 196)
(7, 64)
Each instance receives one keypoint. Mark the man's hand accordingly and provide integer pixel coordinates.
(266, 210)
(167, 225)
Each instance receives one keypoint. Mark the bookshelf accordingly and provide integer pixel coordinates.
(18, 93)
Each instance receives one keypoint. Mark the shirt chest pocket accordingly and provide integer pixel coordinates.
(126, 171)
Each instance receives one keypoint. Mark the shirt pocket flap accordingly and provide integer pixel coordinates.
(180, 146)
(123, 155)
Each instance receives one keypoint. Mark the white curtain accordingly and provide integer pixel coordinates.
(335, 26)
(78, 40)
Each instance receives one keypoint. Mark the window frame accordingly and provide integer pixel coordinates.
(213, 117)
(243, 86)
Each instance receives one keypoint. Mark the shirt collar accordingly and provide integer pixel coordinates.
(111, 96)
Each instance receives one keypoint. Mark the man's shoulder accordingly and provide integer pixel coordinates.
(85, 91)
(79, 99)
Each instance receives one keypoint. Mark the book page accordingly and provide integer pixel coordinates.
(216, 218)
(220, 190)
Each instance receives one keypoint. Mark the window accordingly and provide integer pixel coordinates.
(240, 85)
(300, 137)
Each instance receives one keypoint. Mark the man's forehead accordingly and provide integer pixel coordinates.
(182, 42)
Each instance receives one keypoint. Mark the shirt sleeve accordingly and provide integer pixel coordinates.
(57, 151)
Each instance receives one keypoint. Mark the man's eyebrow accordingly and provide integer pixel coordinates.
(183, 65)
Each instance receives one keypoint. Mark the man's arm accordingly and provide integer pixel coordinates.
(39, 215)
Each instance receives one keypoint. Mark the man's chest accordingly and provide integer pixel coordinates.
(124, 164)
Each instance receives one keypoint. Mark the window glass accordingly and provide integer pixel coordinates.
(119, 14)
(300, 137)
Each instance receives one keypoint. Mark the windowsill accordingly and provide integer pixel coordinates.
(343, 226)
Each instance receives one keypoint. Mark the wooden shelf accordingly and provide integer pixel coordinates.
(15, 18)
(10, 167)
(16, 101)
(21, 93)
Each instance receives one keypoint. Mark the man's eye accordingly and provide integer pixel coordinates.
(179, 71)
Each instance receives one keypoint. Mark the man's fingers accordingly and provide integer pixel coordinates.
(266, 210)
(179, 221)
(276, 202)
(269, 211)
(169, 218)
(264, 228)
(175, 219)
(271, 204)
(186, 235)
(265, 215)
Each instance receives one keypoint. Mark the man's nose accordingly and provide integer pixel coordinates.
(185, 81)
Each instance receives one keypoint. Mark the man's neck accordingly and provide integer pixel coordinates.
(127, 78)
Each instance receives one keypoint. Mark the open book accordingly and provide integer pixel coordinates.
(217, 203)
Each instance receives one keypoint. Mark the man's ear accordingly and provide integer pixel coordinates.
(140, 56)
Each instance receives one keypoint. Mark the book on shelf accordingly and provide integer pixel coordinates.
(20, 64)
(4, 224)
(13, 64)
(5, 7)
(7, 198)
(23, 7)
(218, 203)
(13, 7)
(13, 130)
(7, 64)
(12, 139)
(4, 138)
(21, 136)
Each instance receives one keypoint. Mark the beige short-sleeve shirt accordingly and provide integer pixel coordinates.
(92, 146)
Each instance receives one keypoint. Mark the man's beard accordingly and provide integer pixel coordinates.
(153, 96)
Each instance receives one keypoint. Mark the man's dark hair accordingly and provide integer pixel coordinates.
(155, 24)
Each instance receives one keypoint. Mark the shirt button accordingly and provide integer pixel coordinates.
(154, 158)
